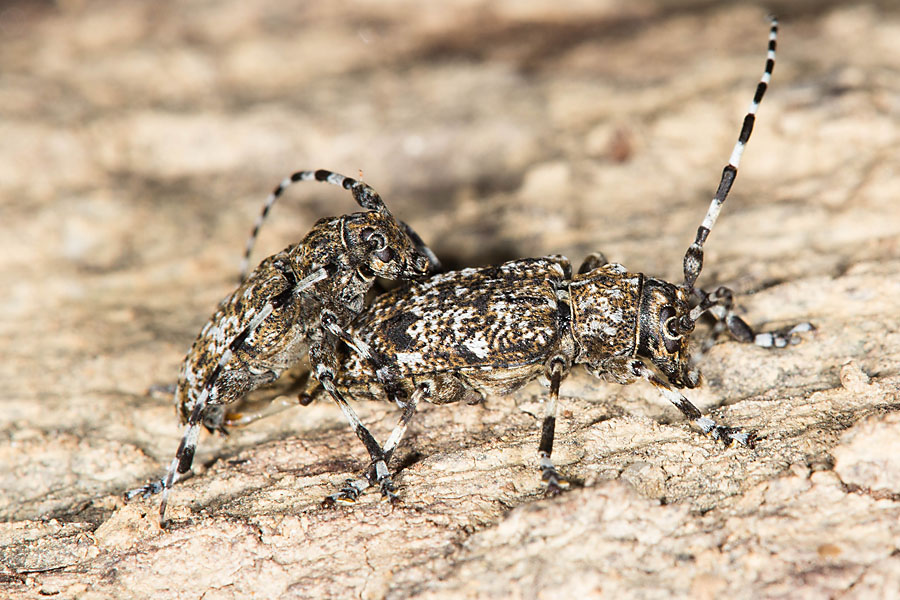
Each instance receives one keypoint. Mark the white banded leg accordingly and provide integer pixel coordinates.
(389, 378)
(409, 410)
(720, 304)
(550, 477)
(729, 435)
(184, 456)
(353, 487)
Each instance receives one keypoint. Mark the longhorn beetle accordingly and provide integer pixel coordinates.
(461, 334)
(295, 302)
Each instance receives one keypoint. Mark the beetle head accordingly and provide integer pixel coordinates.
(378, 245)
(661, 335)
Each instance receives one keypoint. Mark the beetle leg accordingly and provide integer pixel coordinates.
(550, 478)
(184, 456)
(390, 379)
(351, 491)
(729, 435)
(720, 304)
(409, 410)
(592, 261)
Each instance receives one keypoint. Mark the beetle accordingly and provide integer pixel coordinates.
(296, 302)
(462, 334)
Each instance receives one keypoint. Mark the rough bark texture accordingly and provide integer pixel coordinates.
(138, 139)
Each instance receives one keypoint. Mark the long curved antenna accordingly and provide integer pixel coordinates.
(693, 258)
(364, 195)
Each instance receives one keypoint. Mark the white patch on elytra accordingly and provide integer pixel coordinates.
(478, 346)
(410, 358)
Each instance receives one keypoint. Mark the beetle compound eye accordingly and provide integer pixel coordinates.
(375, 239)
(385, 255)
(670, 336)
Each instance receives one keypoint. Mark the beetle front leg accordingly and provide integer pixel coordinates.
(391, 381)
(720, 304)
(729, 435)
(550, 477)
(184, 456)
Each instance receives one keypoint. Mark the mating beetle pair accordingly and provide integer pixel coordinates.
(456, 335)
(294, 303)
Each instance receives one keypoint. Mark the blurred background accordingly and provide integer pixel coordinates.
(139, 139)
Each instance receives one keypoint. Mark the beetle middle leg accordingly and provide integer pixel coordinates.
(550, 478)
(378, 472)
(351, 490)
(409, 410)
(184, 456)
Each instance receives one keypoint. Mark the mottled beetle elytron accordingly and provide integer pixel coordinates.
(462, 334)
(295, 302)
